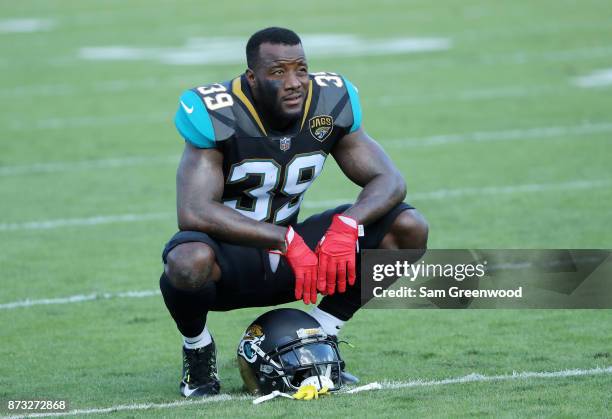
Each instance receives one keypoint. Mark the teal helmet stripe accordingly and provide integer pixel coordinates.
(355, 105)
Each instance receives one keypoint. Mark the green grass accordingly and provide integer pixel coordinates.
(510, 67)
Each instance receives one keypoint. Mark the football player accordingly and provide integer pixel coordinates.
(253, 146)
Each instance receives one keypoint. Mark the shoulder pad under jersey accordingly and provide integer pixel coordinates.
(205, 115)
(338, 98)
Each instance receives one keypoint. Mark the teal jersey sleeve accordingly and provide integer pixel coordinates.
(355, 105)
(193, 121)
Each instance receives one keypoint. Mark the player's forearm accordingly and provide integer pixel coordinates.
(379, 195)
(226, 224)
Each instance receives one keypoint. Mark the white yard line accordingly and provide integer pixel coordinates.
(518, 58)
(503, 135)
(312, 204)
(469, 95)
(599, 78)
(472, 378)
(110, 163)
(506, 377)
(477, 191)
(229, 50)
(426, 141)
(89, 121)
(79, 298)
(26, 25)
(81, 222)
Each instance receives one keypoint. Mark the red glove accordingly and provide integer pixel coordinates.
(304, 262)
(336, 252)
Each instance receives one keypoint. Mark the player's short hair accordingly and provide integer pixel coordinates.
(272, 35)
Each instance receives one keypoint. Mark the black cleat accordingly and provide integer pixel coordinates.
(347, 377)
(200, 376)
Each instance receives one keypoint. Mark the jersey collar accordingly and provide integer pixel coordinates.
(241, 89)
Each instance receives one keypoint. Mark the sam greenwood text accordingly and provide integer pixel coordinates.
(452, 292)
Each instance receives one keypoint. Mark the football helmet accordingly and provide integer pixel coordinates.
(286, 348)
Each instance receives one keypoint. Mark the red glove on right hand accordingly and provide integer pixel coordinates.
(336, 252)
(304, 263)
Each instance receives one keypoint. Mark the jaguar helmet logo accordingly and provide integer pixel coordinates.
(254, 331)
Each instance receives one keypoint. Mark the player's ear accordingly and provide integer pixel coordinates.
(250, 76)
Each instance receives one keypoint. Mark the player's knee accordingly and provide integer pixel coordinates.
(410, 230)
(189, 265)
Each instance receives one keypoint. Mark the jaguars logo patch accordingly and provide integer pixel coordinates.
(254, 331)
(252, 337)
(321, 126)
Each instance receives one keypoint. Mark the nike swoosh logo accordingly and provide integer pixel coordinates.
(188, 391)
(187, 108)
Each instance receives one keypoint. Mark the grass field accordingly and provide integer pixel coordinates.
(501, 146)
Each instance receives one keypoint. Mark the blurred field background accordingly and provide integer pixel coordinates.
(499, 114)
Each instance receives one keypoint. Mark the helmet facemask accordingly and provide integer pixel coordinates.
(317, 363)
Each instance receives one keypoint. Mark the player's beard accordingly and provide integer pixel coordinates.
(269, 102)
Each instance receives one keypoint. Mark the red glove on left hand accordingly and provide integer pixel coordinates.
(336, 251)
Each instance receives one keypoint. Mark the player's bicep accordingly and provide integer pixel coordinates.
(361, 158)
(199, 180)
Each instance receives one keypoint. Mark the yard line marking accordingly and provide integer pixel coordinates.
(471, 378)
(485, 190)
(496, 59)
(600, 78)
(418, 196)
(469, 95)
(503, 135)
(90, 221)
(79, 298)
(88, 121)
(497, 190)
(59, 167)
(108, 86)
(426, 141)
(25, 25)
(229, 50)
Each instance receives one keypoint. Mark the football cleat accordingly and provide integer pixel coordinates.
(200, 376)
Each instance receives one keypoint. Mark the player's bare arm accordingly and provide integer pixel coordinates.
(199, 191)
(200, 183)
(365, 163)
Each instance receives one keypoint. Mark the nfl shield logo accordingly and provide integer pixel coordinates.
(285, 143)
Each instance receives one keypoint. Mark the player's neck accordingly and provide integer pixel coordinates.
(275, 122)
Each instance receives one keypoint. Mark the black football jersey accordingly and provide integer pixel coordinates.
(266, 172)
